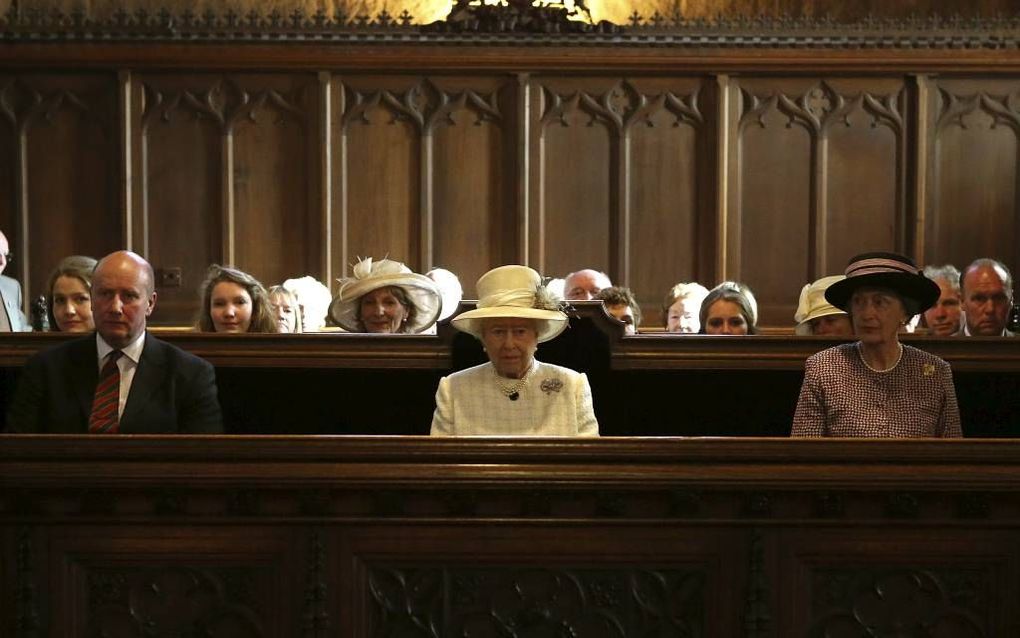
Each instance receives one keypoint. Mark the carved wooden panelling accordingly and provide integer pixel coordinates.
(66, 153)
(174, 600)
(670, 227)
(899, 583)
(500, 601)
(276, 140)
(973, 206)
(423, 172)
(540, 581)
(179, 199)
(210, 585)
(377, 174)
(474, 223)
(865, 181)
(576, 126)
(885, 602)
(249, 144)
(820, 171)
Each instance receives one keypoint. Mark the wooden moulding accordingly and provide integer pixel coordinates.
(646, 351)
(168, 39)
(418, 463)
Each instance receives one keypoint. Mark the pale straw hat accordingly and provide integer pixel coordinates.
(814, 305)
(514, 292)
(369, 275)
(451, 289)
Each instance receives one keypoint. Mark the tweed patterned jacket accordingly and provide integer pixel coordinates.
(555, 401)
(843, 397)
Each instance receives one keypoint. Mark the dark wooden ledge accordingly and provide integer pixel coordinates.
(127, 462)
(590, 326)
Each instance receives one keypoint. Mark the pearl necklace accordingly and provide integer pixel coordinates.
(860, 351)
(513, 392)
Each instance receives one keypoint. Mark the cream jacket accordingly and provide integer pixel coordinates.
(555, 401)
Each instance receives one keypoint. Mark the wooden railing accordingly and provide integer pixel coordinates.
(357, 536)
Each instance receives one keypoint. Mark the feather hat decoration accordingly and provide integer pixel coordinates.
(368, 275)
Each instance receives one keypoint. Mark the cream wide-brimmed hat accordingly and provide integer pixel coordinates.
(814, 305)
(513, 292)
(369, 275)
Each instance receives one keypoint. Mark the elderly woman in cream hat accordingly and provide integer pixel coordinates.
(816, 316)
(384, 296)
(514, 394)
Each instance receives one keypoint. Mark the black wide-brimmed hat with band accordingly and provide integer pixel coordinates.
(885, 270)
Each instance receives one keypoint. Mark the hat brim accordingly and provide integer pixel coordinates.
(918, 289)
(420, 290)
(550, 322)
(804, 327)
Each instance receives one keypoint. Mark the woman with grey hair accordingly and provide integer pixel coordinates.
(682, 306)
(878, 387)
(286, 309)
(945, 318)
(729, 309)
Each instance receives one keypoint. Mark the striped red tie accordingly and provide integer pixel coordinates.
(105, 406)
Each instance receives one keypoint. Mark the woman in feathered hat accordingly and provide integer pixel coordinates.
(514, 394)
(384, 296)
(878, 387)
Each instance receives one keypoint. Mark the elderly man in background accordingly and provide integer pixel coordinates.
(944, 319)
(987, 288)
(622, 305)
(583, 285)
(120, 379)
(12, 319)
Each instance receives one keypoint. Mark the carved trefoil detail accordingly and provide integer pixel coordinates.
(515, 602)
(903, 602)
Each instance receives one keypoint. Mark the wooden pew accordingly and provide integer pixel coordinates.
(367, 536)
(643, 385)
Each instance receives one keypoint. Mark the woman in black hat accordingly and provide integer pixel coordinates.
(877, 387)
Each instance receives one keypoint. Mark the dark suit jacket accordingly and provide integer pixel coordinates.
(11, 290)
(172, 391)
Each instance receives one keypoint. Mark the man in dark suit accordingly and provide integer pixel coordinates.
(12, 319)
(120, 379)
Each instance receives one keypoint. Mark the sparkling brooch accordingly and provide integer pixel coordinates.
(551, 385)
(928, 369)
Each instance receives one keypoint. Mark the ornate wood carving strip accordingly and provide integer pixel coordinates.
(949, 33)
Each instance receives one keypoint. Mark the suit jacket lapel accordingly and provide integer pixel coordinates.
(83, 374)
(147, 379)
